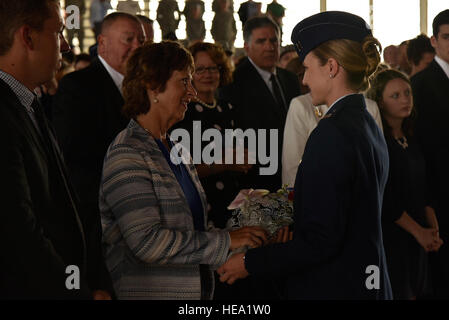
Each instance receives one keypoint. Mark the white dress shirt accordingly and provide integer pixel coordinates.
(116, 76)
(266, 75)
(302, 119)
(443, 64)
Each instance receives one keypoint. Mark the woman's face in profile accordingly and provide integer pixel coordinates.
(397, 100)
(316, 77)
(206, 77)
(178, 93)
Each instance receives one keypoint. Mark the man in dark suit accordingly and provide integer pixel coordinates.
(337, 250)
(87, 106)
(261, 92)
(431, 95)
(45, 250)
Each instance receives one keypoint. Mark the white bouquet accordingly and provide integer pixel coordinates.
(261, 208)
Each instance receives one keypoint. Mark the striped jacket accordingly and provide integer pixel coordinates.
(152, 249)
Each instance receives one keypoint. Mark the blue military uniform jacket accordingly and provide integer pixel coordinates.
(338, 199)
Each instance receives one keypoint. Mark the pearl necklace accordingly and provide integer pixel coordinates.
(206, 104)
(402, 142)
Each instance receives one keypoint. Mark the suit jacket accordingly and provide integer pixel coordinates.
(153, 250)
(256, 108)
(87, 117)
(431, 95)
(41, 233)
(337, 206)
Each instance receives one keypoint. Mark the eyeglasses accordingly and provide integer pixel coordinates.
(202, 70)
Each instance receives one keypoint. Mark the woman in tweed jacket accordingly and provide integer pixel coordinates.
(153, 212)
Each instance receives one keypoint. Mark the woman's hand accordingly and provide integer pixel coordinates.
(248, 236)
(428, 238)
(438, 242)
(282, 236)
(433, 223)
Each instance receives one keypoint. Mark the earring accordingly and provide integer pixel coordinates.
(155, 100)
(331, 76)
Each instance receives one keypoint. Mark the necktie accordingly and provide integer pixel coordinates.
(42, 125)
(278, 92)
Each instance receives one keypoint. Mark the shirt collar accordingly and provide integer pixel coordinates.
(116, 76)
(25, 96)
(443, 64)
(263, 73)
(333, 104)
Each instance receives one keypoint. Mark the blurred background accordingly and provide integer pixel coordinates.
(392, 21)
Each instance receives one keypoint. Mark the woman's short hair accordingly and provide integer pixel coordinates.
(376, 90)
(218, 56)
(359, 60)
(151, 66)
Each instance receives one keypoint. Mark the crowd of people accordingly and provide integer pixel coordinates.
(90, 179)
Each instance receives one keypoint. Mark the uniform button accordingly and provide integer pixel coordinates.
(199, 108)
(219, 185)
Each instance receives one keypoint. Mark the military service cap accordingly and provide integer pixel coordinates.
(330, 25)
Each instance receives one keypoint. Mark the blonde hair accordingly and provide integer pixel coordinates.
(359, 60)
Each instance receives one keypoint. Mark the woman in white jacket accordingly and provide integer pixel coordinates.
(302, 118)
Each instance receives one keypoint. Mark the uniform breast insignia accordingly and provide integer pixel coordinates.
(318, 112)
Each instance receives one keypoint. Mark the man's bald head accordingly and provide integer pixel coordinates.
(121, 33)
(110, 19)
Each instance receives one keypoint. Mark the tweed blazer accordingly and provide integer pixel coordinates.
(152, 249)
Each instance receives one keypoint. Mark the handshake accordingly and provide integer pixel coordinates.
(252, 237)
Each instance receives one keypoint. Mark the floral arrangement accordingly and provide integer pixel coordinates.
(261, 208)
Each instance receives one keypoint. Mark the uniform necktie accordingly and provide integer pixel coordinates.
(278, 92)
